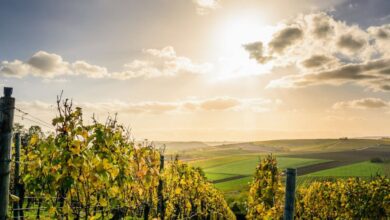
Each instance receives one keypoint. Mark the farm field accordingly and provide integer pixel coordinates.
(362, 169)
(231, 166)
(244, 169)
(248, 166)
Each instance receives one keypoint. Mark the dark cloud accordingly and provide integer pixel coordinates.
(285, 38)
(359, 71)
(383, 34)
(385, 71)
(45, 61)
(371, 103)
(364, 103)
(372, 74)
(350, 42)
(380, 32)
(379, 84)
(316, 61)
(384, 87)
(322, 27)
(256, 51)
(350, 71)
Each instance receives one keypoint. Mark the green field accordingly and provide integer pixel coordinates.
(218, 176)
(234, 185)
(242, 165)
(248, 166)
(231, 165)
(322, 144)
(362, 169)
(218, 161)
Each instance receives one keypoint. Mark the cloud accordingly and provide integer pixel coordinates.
(322, 26)
(371, 74)
(350, 42)
(89, 70)
(205, 6)
(327, 51)
(16, 69)
(219, 104)
(157, 107)
(380, 32)
(381, 36)
(159, 63)
(364, 103)
(256, 51)
(164, 62)
(47, 64)
(285, 38)
(316, 61)
(316, 34)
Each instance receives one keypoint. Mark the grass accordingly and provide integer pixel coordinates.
(218, 161)
(224, 167)
(323, 145)
(362, 169)
(234, 185)
(217, 176)
(248, 166)
(230, 160)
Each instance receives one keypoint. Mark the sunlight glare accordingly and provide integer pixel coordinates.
(232, 34)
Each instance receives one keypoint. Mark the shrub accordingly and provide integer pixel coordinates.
(377, 160)
(345, 199)
(265, 200)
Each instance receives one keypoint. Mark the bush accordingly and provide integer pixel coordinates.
(345, 199)
(265, 200)
(377, 160)
(96, 172)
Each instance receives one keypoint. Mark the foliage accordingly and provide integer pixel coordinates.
(188, 194)
(265, 199)
(345, 199)
(96, 171)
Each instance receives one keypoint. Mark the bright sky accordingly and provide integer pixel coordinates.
(211, 70)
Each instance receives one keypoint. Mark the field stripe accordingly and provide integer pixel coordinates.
(321, 166)
(230, 178)
(300, 170)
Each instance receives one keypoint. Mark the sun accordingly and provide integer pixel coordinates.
(234, 32)
(239, 29)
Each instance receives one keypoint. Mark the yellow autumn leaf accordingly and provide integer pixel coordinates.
(113, 191)
(66, 209)
(52, 210)
(177, 190)
(103, 202)
(34, 139)
(114, 172)
(75, 148)
(106, 164)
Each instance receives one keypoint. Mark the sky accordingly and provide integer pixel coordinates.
(208, 70)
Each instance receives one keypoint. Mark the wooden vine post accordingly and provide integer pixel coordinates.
(161, 202)
(290, 194)
(7, 106)
(17, 186)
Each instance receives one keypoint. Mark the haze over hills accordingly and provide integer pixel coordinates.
(273, 146)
